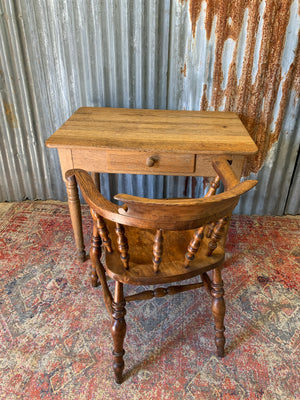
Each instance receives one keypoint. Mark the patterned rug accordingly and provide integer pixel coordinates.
(55, 336)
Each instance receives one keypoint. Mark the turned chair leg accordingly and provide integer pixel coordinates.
(118, 331)
(218, 310)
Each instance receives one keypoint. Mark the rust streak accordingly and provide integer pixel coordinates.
(204, 100)
(183, 70)
(195, 9)
(10, 116)
(292, 81)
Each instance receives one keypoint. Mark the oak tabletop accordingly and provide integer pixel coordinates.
(197, 132)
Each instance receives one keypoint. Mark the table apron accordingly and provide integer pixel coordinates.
(135, 162)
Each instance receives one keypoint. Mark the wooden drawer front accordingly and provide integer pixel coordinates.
(204, 165)
(144, 162)
(136, 162)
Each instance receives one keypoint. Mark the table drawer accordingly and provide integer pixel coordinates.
(136, 162)
(144, 162)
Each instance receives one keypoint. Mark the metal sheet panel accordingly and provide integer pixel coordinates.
(293, 201)
(243, 56)
(58, 56)
(293, 205)
(227, 55)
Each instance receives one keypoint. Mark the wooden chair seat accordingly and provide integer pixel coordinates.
(171, 269)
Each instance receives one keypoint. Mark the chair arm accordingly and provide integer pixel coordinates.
(225, 172)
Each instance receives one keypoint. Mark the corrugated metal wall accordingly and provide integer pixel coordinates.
(239, 55)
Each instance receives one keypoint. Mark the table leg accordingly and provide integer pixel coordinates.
(75, 212)
(96, 179)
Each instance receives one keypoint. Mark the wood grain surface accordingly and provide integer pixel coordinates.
(196, 132)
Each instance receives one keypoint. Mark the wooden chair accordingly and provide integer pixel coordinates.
(150, 242)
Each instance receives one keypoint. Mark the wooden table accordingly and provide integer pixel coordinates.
(152, 142)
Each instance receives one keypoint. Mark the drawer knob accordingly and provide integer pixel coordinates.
(150, 161)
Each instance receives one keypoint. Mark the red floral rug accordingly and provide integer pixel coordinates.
(55, 332)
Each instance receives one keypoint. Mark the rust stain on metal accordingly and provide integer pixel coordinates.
(10, 116)
(204, 100)
(255, 102)
(195, 9)
(292, 81)
(183, 70)
(253, 98)
(229, 12)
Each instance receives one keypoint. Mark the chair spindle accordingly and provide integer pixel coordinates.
(210, 229)
(95, 252)
(193, 246)
(104, 234)
(217, 235)
(122, 245)
(198, 235)
(157, 250)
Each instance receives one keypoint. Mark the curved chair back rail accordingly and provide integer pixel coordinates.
(169, 214)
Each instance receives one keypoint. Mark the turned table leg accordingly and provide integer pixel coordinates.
(118, 331)
(75, 212)
(218, 310)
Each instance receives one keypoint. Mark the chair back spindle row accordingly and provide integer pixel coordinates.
(166, 215)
